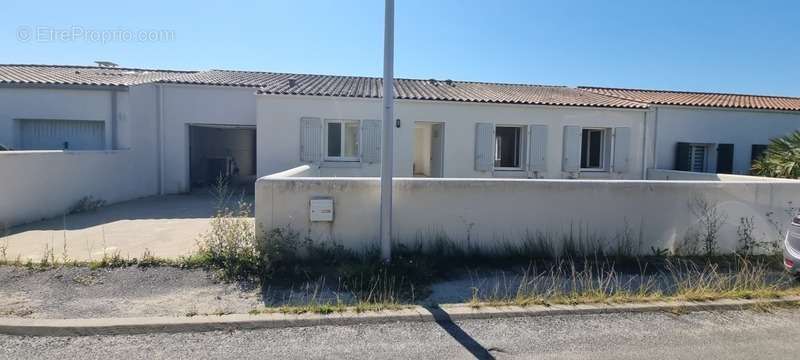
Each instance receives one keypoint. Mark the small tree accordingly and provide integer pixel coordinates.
(781, 158)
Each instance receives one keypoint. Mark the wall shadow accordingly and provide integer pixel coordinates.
(446, 323)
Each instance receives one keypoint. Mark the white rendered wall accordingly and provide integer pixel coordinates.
(279, 117)
(43, 184)
(719, 126)
(184, 105)
(660, 174)
(51, 104)
(491, 212)
(40, 184)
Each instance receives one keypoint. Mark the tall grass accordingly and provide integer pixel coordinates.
(570, 282)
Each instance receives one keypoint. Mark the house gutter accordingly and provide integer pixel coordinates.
(644, 146)
(160, 136)
(114, 119)
(655, 138)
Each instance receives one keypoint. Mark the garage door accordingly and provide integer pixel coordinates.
(62, 134)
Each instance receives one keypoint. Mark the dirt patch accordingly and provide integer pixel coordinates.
(125, 292)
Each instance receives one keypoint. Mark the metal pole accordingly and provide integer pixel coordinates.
(387, 161)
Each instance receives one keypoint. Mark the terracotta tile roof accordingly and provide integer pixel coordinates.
(80, 75)
(407, 89)
(701, 99)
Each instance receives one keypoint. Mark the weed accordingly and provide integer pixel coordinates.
(659, 252)
(86, 204)
(229, 245)
(3, 244)
(747, 243)
(114, 260)
(702, 238)
(48, 257)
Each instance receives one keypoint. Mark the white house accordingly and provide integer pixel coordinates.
(710, 132)
(451, 129)
(117, 133)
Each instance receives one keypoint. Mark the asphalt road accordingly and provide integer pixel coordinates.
(706, 335)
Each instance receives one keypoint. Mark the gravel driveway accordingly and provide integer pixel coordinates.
(125, 292)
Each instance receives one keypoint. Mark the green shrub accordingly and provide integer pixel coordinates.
(229, 244)
(781, 158)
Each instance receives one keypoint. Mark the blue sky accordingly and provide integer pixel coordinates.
(705, 45)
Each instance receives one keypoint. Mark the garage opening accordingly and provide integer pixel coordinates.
(222, 151)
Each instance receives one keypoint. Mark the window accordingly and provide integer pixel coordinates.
(756, 150)
(593, 149)
(508, 147)
(697, 157)
(342, 140)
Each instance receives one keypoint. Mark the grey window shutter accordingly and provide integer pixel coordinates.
(484, 146)
(622, 149)
(537, 158)
(371, 141)
(572, 149)
(682, 156)
(724, 158)
(310, 139)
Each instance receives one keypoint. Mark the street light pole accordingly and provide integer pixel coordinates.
(387, 161)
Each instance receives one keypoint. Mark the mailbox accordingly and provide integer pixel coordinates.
(321, 210)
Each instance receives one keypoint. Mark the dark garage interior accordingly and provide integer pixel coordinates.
(222, 151)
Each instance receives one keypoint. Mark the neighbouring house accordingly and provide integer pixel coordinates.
(117, 133)
(709, 132)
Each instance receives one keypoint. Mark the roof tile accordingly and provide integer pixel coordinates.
(700, 99)
(81, 75)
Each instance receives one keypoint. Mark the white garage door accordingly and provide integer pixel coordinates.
(62, 134)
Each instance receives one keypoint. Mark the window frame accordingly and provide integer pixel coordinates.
(604, 150)
(342, 134)
(706, 154)
(520, 148)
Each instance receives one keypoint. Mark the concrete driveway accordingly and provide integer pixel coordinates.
(166, 226)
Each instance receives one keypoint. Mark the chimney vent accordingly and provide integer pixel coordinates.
(292, 82)
(106, 64)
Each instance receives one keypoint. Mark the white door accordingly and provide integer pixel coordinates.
(437, 150)
(61, 134)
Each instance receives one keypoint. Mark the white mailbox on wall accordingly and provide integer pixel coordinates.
(321, 209)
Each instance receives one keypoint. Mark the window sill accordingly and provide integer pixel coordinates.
(507, 169)
(340, 164)
(594, 170)
(510, 173)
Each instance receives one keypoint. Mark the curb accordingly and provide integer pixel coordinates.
(132, 326)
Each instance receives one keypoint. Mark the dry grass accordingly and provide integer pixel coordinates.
(564, 283)
(329, 308)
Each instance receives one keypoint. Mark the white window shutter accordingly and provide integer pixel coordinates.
(571, 160)
(537, 158)
(622, 149)
(310, 139)
(484, 146)
(371, 141)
